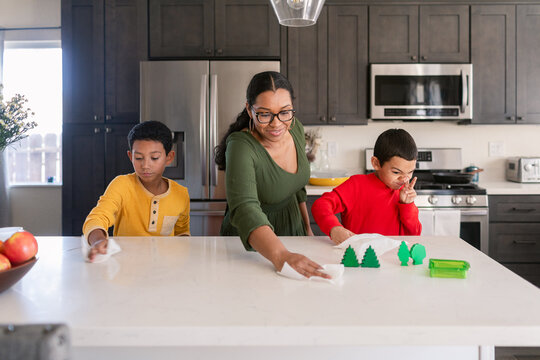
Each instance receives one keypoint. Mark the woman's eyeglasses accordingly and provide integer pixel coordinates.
(267, 117)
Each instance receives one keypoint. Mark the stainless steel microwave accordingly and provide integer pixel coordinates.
(421, 91)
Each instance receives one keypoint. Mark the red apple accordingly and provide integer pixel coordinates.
(4, 263)
(1, 247)
(20, 247)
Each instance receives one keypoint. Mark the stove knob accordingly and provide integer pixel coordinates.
(528, 167)
(433, 199)
(471, 200)
(456, 200)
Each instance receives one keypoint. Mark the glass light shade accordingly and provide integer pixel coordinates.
(297, 12)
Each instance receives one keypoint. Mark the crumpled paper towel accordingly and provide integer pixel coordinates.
(112, 248)
(334, 270)
(361, 242)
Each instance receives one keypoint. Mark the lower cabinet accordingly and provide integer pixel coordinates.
(316, 229)
(515, 234)
(92, 156)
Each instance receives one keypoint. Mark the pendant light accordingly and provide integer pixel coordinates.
(297, 12)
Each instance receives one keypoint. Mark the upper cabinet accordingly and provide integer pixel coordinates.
(327, 65)
(213, 28)
(103, 42)
(506, 58)
(427, 33)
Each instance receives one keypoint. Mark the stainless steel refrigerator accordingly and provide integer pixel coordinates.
(198, 100)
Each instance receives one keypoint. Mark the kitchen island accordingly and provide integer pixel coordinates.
(206, 297)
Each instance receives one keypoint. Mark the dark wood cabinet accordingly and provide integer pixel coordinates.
(92, 156)
(314, 227)
(213, 28)
(103, 42)
(427, 33)
(327, 65)
(515, 234)
(506, 58)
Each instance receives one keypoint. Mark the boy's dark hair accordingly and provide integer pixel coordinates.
(395, 142)
(151, 130)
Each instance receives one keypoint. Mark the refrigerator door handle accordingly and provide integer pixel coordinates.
(202, 124)
(213, 126)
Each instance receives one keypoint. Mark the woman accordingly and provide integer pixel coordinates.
(263, 154)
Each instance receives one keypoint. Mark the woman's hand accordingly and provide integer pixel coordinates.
(339, 234)
(309, 231)
(303, 265)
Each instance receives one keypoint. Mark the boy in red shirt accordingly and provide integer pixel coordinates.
(381, 202)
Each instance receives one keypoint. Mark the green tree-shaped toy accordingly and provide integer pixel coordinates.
(370, 259)
(418, 253)
(349, 258)
(403, 254)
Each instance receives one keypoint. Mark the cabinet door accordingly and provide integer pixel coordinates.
(528, 64)
(347, 65)
(82, 61)
(125, 46)
(246, 28)
(393, 34)
(181, 28)
(444, 33)
(493, 53)
(515, 242)
(83, 155)
(307, 69)
(116, 147)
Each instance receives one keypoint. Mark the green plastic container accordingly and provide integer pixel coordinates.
(443, 268)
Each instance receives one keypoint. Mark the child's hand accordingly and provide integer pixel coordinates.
(99, 247)
(407, 193)
(339, 234)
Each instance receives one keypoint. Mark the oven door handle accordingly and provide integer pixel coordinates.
(464, 91)
(474, 212)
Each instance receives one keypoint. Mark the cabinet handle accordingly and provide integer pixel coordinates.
(524, 242)
(108, 117)
(108, 130)
(413, 57)
(333, 119)
(519, 118)
(219, 51)
(424, 57)
(209, 51)
(511, 118)
(97, 130)
(521, 211)
(96, 118)
(323, 118)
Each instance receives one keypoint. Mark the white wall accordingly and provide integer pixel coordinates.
(37, 209)
(29, 13)
(519, 140)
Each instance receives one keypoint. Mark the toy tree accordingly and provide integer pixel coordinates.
(403, 253)
(370, 259)
(418, 253)
(349, 258)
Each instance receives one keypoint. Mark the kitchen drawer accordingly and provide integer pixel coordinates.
(519, 242)
(514, 208)
(530, 272)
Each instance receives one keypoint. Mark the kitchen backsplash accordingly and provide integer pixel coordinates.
(475, 141)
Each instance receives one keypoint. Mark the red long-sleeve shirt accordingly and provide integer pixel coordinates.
(366, 205)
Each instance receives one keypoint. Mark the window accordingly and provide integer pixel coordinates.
(34, 69)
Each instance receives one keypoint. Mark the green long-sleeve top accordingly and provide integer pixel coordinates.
(259, 191)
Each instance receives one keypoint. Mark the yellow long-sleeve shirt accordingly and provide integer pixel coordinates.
(135, 211)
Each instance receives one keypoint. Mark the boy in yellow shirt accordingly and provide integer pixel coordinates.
(143, 203)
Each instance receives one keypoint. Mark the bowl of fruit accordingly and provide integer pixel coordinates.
(18, 249)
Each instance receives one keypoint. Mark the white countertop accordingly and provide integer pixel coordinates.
(195, 291)
(492, 188)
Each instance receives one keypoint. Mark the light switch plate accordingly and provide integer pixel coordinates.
(496, 148)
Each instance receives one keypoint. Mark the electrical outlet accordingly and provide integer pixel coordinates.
(332, 149)
(496, 148)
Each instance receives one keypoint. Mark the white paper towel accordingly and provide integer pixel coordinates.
(112, 248)
(334, 270)
(447, 222)
(361, 242)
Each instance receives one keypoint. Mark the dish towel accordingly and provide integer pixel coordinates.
(112, 248)
(361, 242)
(427, 220)
(334, 270)
(447, 222)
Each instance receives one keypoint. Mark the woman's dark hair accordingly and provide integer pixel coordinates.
(151, 130)
(395, 142)
(261, 82)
